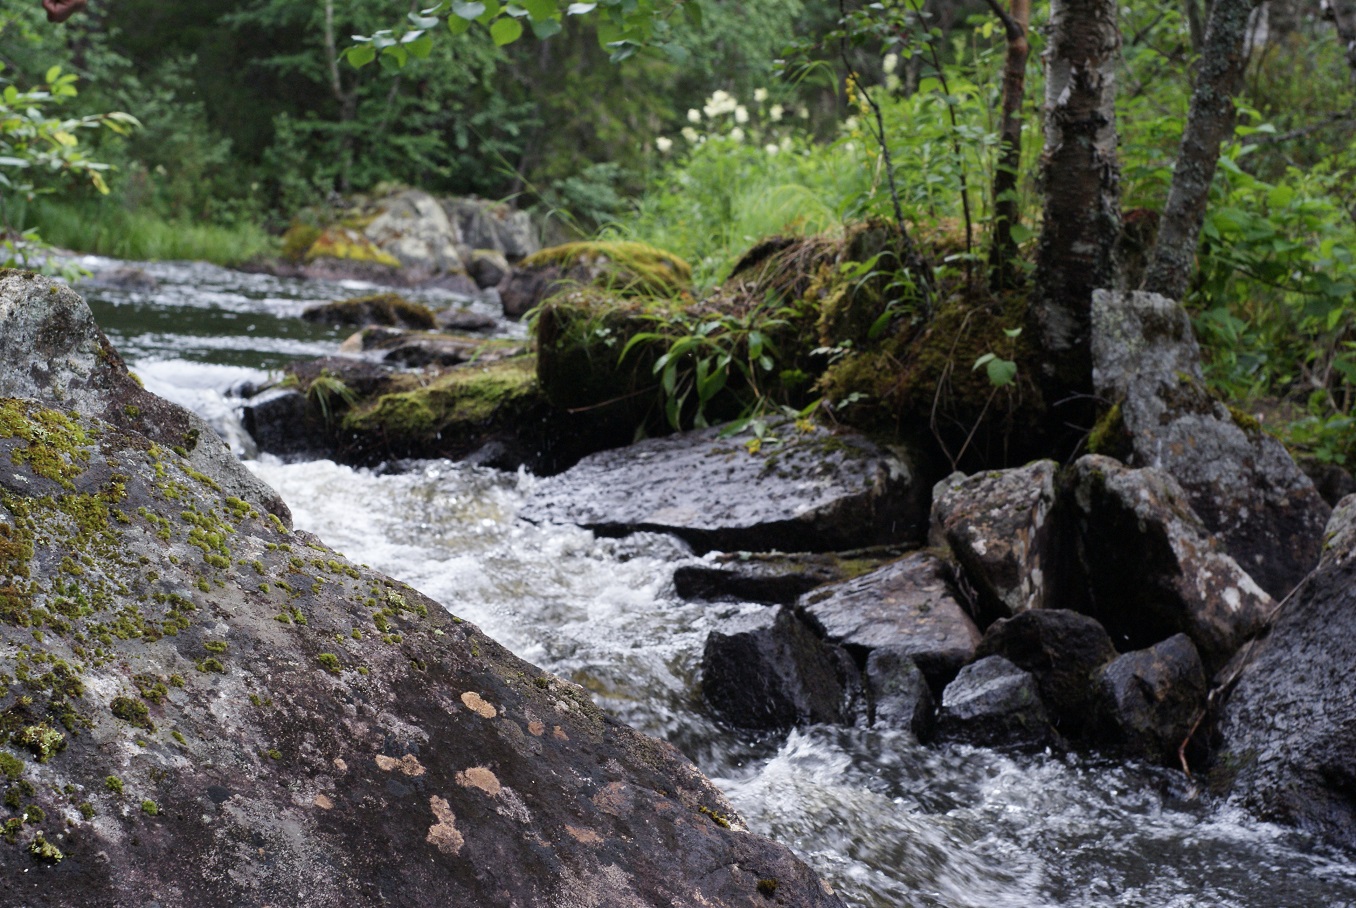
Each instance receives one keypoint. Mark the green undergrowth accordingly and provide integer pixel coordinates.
(104, 227)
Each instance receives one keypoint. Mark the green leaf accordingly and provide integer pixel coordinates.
(676, 52)
(506, 31)
(492, 8)
(546, 28)
(693, 11)
(468, 11)
(359, 55)
(540, 10)
(457, 25)
(1013, 332)
(421, 47)
(52, 74)
(1001, 372)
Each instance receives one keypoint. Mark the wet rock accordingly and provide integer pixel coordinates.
(993, 703)
(465, 321)
(907, 607)
(1063, 651)
(271, 722)
(418, 350)
(769, 577)
(1153, 570)
(1332, 481)
(1148, 701)
(1289, 726)
(898, 692)
(388, 309)
(815, 492)
(1242, 483)
(52, 350)
(998, 525)
(274, 419)
(488, 268)
(767, 669)
(415, 229)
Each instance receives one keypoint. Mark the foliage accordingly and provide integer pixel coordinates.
(37, 148)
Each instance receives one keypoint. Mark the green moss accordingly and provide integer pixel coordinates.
(150, 808)
(1109, 436)
(767, 887)
(298, 239)
(329, 662)
(10, 765)
(215, 646)
(44, 850)
(113, 784)
(42, 740)
(460, 402)
(132, 711)
(211, 664)
(718, 818)
(626, 267)
(348, 245)
(56, 445)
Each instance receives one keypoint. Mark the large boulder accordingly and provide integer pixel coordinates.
(415, 229)
(998, 525)
(1062, 650)
(1241, 481)
(631, 269)
(1289, 726)
(1152, 569)
(907, 607)
(51, 350)
(203, 708)
(493, 226)
(1149, 701)
(816, 491)
(767, 669)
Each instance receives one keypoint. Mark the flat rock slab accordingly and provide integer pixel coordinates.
(998, 525)
(770, 577)
(1289, 727)
(814, 492)
(1241, 481)
(907, 607)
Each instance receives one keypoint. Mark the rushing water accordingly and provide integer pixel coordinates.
(887, 821)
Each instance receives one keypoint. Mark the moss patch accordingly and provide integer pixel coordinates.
(350, 246)
(624, 267)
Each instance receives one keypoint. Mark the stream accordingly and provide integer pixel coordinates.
(890, 823)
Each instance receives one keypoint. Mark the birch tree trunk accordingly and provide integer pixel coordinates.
(1209, 122)
(1081, 183)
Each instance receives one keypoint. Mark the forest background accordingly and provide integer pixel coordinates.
(759, 122)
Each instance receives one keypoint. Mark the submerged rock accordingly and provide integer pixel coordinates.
(814, 492)
(190, 681)
(1242, 483)
(898, 692)
(998, 525)
(1289, 726)
(994, 703)
(1153, 570)
(906, 607)
(1150, 700)
(389, 309)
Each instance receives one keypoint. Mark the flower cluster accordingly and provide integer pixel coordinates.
(723, 110)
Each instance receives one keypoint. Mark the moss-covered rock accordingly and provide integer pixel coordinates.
(390, 309)
(624, 268)
(350, 246)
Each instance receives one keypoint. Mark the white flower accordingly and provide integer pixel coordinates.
(892, 83)
(786, 143)
(771, 148)
(694, 115)
(664, 144)
(851, 124)
(775, 112)
(720, 102)
(690, 134)
(803, 113)
(737, 134)
(890, 63)
(759, 95)
(741, 114)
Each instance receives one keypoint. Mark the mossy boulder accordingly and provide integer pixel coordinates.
(626, 268)
(389, 309)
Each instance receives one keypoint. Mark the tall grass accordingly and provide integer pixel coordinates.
(104, 227)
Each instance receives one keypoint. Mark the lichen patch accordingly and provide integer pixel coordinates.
(407, 765)
(443, 834)
(559, 734)
(478, 705)
(585, 836)
(482, 778)
(536, 728)
(324, 802)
